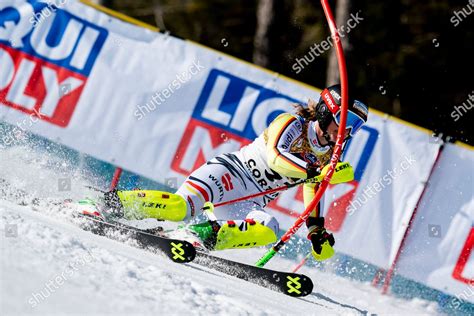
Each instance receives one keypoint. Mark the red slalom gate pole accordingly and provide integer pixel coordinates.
(115, 178)
(299, 265)
(388, 277)
(337, 148)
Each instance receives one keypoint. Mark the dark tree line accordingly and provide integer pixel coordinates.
(412, 59)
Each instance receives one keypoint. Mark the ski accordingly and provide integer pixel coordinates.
(181, 251)
(292, 284)
(177, 250)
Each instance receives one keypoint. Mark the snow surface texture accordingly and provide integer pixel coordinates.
(50, 266)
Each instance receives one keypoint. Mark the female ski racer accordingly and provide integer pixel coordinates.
(294, 146)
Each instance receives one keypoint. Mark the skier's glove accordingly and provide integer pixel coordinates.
(322, 243)
(312, 171)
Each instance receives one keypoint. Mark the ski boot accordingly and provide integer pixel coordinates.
(213, 236)
(140, 204)
(150, 211)
(203, 235)
(248, 234)
(88, 207)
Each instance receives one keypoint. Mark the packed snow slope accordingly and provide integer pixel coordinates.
(49, 266)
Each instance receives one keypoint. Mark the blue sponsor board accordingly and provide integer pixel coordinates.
(230, 103)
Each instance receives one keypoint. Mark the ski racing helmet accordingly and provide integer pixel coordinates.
(328, 109)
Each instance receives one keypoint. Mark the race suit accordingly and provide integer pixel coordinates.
(279, 156)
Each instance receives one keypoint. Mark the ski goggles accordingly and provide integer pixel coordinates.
(353, 123)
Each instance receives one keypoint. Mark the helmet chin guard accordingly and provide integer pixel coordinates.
(316, 147)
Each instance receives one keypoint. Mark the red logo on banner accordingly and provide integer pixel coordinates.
(202, 142)
(339, 208)
(37, 87)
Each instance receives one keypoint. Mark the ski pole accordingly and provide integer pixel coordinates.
(337, 148)
(95, 189)
(343, 173)
(251, 196)
(299, 222)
